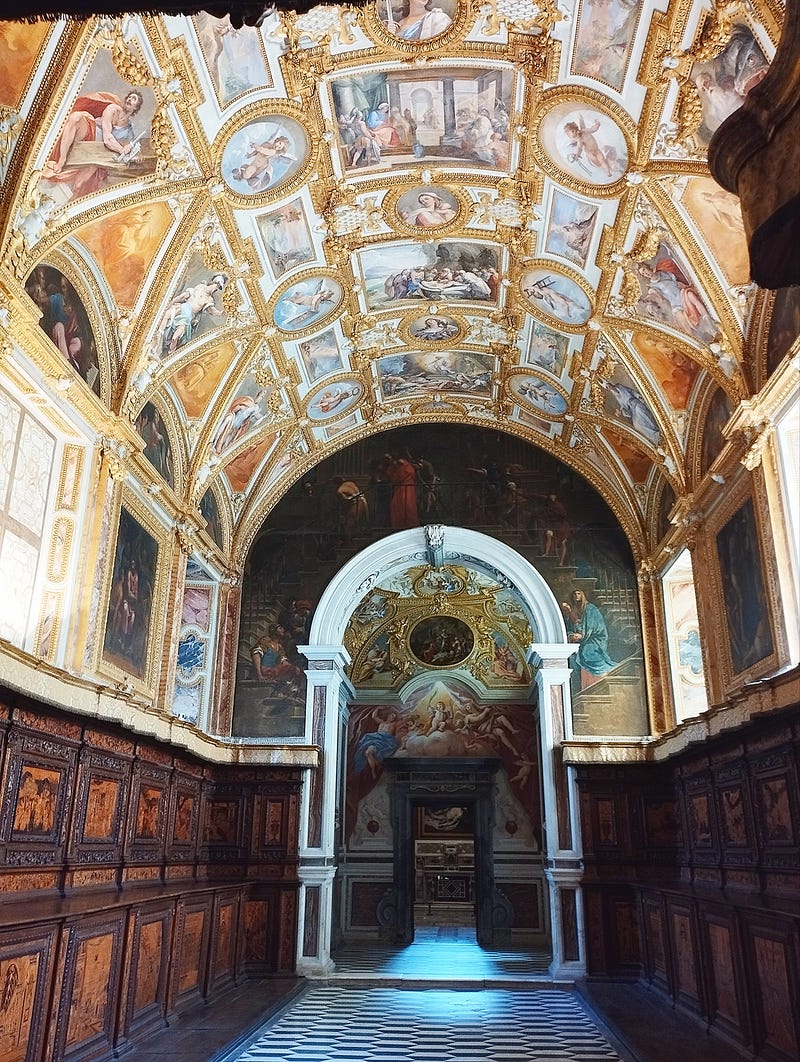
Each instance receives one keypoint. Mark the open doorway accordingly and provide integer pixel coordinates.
(426, 795)
(444, 867)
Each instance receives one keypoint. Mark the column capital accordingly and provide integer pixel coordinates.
(550, 655)
(325, 657)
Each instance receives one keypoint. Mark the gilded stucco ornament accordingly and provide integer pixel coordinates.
(10, 123)
(322, 25)
(522, 16)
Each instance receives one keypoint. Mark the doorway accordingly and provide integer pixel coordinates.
(460, 791)
(444, 867)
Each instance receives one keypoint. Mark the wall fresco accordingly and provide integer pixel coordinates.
(65, 321)
(441, 718)
(455, 476)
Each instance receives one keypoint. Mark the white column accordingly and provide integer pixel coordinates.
(326, 707)
(563, 850)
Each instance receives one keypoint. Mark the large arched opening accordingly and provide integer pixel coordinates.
(421, 578)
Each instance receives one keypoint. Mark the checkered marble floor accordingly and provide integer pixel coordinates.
(334, 1023)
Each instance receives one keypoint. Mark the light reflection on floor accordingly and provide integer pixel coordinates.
(445, 954)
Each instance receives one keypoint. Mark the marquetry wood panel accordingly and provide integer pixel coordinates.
(91, 960)
(26, 969)
(710, 844)
(153, 879)
(147, 968)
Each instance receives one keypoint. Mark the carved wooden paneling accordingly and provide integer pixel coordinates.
(285, 925)
(223, 825)
(190, 950)
(655, 950)
(724, 971)
(686, 973)
(223, 949)
(773, 952)
(147, 816)
(92, 957)
(26, 959)
(717, 869)
(85, 809)
(100, 807)
(38, 778)
(184, 819)
(147, 968)
(256, 939)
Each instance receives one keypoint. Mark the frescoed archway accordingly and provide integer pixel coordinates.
(331, 697)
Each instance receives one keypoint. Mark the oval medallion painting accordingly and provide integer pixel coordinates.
(441, 641)
(416, 20)
(555, 295)
(585, 143)
(542, 396)
(427, 207)
(306, 303)
(334, 399)
(434, 328)
(264, 154)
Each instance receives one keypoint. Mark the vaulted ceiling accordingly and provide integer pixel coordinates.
(244, 249)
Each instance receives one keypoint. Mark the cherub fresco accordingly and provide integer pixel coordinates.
(540, 394)
(584, 142)
(306, 302)
(263, 154)
(334, 399)
(557, 296)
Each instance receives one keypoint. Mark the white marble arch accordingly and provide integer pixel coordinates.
(329, 690)
(400, 551)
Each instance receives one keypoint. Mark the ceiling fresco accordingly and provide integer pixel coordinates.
(255, 246)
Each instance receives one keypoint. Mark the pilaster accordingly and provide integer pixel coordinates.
(562, 841)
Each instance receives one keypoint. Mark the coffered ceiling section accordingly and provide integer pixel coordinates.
(257, 245)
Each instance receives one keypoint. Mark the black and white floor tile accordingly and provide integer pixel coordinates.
(334, 1023)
